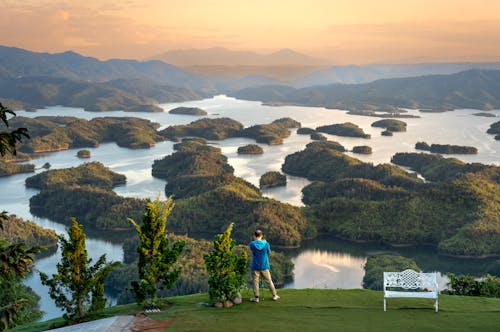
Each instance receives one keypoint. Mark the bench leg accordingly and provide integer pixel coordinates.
(384, 305)
(436, 305)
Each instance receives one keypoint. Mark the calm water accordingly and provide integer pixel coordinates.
(320, 263)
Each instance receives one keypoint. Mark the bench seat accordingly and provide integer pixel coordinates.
(411, 284)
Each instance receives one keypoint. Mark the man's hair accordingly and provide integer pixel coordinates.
(257, 233)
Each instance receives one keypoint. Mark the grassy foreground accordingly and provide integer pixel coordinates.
(324, 310)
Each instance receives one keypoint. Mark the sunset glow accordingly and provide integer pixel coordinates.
(342, 31)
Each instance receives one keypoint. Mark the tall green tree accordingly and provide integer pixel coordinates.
(78, 286)
(226, 270)
(157, 258)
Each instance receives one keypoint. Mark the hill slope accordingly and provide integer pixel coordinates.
(479, 89)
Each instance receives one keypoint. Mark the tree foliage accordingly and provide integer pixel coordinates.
(226, 271)
(78, 286)
(376, 265)
(156, 257)
(488, 286)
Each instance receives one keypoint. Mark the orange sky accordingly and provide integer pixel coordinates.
(342, 31)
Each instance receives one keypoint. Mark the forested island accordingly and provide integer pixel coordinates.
(459, 214)
(495, 130)
(272, 179)
(362, 149)
(188, 111)
(250, 149)
(391, 125)
(348, 129)
(49, 133)
(445, 148)
(11, 168)
(221, 128)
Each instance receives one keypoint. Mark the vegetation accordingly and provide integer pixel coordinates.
(351, 188)
(485, 114)
(446, 148)
(332, 145)
(92, 174)
(318, 137)
(363, 149)
(77, 287)
(54, 133)
(271, 134)
(488, 286)
(460, 217)
(17, 230)
(387, 133)
(272, 179)
(194, 276)
(83, 154)
(215, 129)
(305, 131)
(304, 309)
(193, 169)
(156, 257)
(250, 149)
(9, 140)
(95, 207)
(18, 303)
(476, 89)
(348, 129)
(287, 123)
(319, 161)
(188, 111)
(376, 265)
(390, 124)
(437, 168)
(239, 202)
(494, 129)
(7, 169)
(226, 270)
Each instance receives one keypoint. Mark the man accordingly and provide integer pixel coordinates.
(260, 265)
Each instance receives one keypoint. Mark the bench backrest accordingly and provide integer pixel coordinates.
(411, 279)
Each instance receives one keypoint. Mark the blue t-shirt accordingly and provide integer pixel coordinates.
(260, 250)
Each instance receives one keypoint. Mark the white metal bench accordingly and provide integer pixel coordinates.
(411, 284)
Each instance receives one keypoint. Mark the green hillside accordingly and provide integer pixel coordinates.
(320, 310)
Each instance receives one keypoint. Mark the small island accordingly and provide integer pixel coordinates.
(7, 169)
(445, 148)
(188, 111)
(363, 149)
(435, 110)
(287, 123)
(486, 115)
(305, 131)
(318, 137)
(494, 129)
(250, 149)
(391, 125)
(347, 129)
(17, 230)
(272, 179)
(387, 133)
(83, 154)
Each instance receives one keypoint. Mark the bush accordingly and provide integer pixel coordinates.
(488, 286)
(376, 265)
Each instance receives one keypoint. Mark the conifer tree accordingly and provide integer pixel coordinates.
(156, 257)
(77, 287)
(226, 270)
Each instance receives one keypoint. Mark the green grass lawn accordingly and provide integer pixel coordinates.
(327, 310)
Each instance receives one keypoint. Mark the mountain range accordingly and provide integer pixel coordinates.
(478, 89)
(219, 56)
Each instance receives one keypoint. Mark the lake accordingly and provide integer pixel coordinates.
(323, 262)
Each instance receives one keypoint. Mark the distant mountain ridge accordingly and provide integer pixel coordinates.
(217, 56)
(16, 62)
(478, 89)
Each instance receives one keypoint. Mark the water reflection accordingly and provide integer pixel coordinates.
(325, 269)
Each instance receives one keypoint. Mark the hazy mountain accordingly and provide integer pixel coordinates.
(219, 56)
(16, 62)
(123, 94)
(479, 89)
(369, 73)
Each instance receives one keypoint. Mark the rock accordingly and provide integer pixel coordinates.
(218, 304)
(237, 300)
(228, 303)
